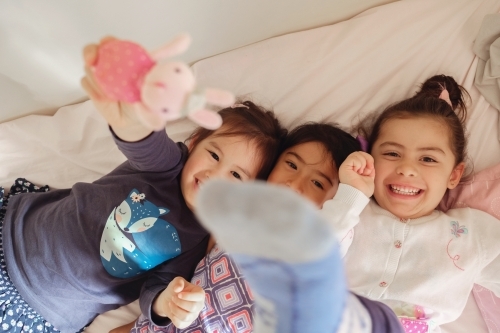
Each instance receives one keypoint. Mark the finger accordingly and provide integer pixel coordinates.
(180, 313)
(89, 75)
(89, 89)
(189, 306)
(180, 323)
(90, 54)
(193, 296)
(178, 284)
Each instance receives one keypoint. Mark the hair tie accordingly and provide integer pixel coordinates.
(445, 95)
(239, 106)
(362, 141)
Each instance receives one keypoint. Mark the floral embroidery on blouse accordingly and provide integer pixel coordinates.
(456, 230)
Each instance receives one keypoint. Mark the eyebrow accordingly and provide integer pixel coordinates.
(389, 143)
(297, 156)
(216, 146)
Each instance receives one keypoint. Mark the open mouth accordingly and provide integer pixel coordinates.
(405, 190)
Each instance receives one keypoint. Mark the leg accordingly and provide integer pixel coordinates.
(286, 251)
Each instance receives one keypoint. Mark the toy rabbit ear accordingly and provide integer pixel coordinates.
(206, 118)
(175, 47)
(222, 98)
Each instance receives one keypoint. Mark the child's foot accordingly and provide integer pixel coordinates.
(285, 250)
(264, 220)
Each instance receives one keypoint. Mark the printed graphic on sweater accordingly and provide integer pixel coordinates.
(135, 239)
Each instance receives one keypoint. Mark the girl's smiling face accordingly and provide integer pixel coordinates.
(309, 170)
(414, 165)
(226, 157)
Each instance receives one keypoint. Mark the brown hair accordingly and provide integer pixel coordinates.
(254, 123)
(426, 103)
(337, 142)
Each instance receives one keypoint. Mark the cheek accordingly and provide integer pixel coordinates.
(275, 177)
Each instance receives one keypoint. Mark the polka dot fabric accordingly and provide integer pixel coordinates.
(16, 316)
(414, 326)
(120, 67)
(481, 192)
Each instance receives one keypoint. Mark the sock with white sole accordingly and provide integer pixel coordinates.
(285, 250)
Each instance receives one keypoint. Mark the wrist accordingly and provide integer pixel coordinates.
(131, 133)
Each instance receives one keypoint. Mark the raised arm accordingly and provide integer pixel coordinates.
(356, 175)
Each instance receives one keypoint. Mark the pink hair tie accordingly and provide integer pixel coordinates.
(445, 95)
(239, 106)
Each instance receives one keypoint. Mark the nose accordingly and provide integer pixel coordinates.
(407, 169)
(295, 184)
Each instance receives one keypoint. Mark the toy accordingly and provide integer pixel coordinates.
(160, 91)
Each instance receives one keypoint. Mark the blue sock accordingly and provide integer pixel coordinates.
(287, 253)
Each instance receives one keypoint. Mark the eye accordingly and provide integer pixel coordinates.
(214, 155)
(428, 159)
(317, 184)
(391, 154)
(236, 175)
(291, 165)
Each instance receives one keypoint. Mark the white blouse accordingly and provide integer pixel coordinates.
(423, 268)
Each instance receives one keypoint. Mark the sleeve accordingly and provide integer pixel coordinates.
(182, 265)
(343, 212)
(155, 153)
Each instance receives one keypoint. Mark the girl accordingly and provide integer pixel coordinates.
(72, 254)
(308, 166)
(419, 261)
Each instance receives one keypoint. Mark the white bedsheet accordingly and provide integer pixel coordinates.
(334, 73)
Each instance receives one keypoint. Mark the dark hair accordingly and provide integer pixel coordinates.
(338, 143)
(253, 122)
(426, 103)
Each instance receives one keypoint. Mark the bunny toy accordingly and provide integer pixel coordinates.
(160, 91)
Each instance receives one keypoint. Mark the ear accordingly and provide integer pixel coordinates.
(175, 47)
(456, 175)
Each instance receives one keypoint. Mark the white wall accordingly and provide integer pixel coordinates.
(41, 41)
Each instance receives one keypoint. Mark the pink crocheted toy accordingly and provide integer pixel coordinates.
(161, 91)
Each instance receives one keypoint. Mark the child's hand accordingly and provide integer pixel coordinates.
(358, 171)
(122, 117)
(181, 301)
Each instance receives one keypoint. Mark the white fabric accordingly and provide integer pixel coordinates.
(418, 263)
(333, 73)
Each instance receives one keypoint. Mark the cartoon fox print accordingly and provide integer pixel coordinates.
(135, 239)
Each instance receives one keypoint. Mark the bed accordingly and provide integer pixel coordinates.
(336, 72)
